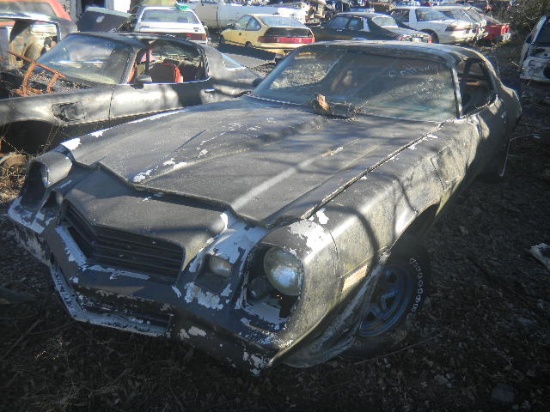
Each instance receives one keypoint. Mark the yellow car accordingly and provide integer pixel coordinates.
(274, 33)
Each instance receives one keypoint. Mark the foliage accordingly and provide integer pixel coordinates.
(526, 14)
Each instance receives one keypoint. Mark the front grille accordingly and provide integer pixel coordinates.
(123, 250)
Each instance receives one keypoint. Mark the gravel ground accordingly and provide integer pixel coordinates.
(483, 342)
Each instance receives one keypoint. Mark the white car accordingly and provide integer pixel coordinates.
(535, 53)
(179, 22)
(469, 14)
(442, 28)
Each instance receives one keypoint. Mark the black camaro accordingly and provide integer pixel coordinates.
(282, 226)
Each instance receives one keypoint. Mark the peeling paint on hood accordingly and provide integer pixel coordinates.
(235, 157)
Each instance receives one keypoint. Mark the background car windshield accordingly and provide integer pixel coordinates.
(388, 86)
(277, 21)
(384, 21)
(169, 16)
(89, 59)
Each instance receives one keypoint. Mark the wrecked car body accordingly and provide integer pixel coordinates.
(280, 227)
(535, 53)
(91, 81)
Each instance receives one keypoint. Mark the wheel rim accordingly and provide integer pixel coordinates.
(13, 168)
(390, 301)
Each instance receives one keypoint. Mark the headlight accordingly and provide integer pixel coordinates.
(284, 271)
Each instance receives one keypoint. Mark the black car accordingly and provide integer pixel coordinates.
(369, 26)
(90, 81)
(281, 227)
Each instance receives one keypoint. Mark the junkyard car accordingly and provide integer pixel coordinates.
(535, 53)
(442, 28)
(369, 26)
(91, 81)
(468, 14)
(181, 23)
(497, 31)
(273, 33)
(283, 226)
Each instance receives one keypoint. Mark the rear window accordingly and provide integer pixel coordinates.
(23, 6)
(169, 16)
(280, 21)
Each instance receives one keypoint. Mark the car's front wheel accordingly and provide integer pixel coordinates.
(399, 293)
(222, 41)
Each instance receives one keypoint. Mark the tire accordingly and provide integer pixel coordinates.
(221, 42)
(399, 294)
(435, 39)
(248, 45)
(13, 168)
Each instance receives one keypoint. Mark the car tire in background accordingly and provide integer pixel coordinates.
(398, 295)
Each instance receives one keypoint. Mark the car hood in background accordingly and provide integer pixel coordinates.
(265, 163)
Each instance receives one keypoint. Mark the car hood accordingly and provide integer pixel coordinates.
(263, 161)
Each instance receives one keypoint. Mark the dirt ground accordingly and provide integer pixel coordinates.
(483, 342)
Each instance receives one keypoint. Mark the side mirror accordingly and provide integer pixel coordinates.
(142, 79)
(230, 26)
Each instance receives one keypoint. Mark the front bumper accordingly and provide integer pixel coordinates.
(135, 303)
(153, 306)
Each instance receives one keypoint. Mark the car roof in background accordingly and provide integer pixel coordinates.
(362, 14)
(444, 52)
(136, 40)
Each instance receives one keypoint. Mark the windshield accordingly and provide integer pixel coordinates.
(388, 86)
(169, 16)
(89, 59)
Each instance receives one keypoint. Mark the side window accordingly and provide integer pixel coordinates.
(355, 24)
(402, 16)
(339, 22)
(421, 15)
(242, 23)
(476, 87)
(253, 25)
